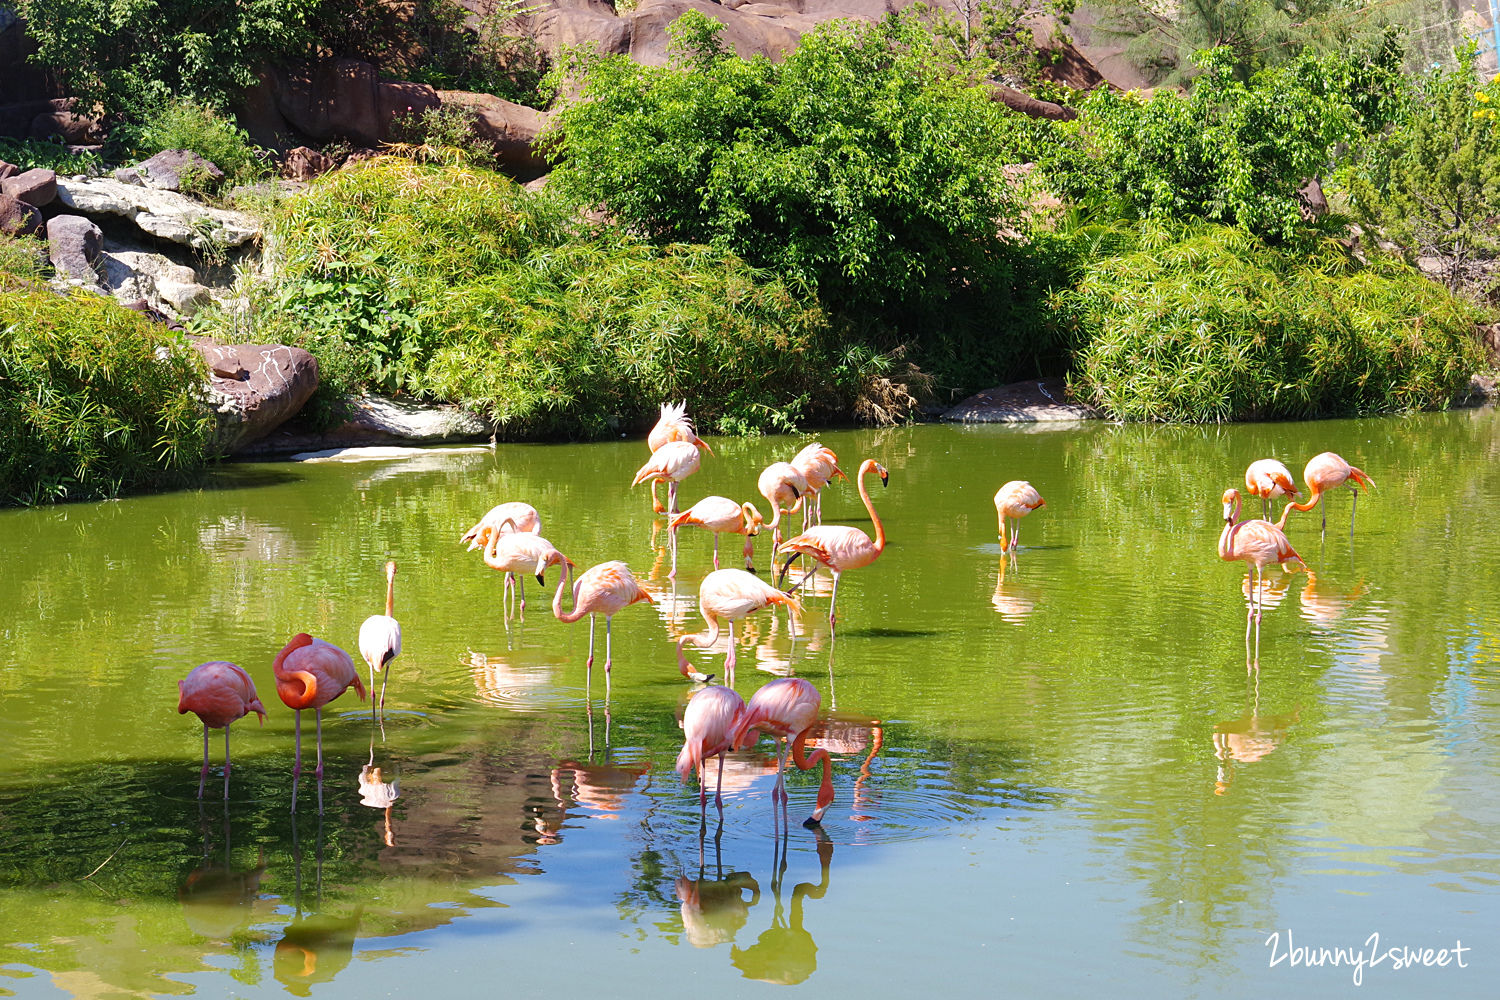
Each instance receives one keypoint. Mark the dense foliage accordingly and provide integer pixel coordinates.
(1209, 323)
(456, 284)
(1232, 152)
(95, 400)
(1431, 184)
(184, 123)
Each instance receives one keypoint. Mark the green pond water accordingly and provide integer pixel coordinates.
(1053, 776)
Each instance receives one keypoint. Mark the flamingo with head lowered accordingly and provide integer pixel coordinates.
(605, 589)
(707, 725)
(786, 709)
(729, 595)
(722, 515)
(1323, 473)
(1267, 478)
(1258, 543)
(671, 464)
(218, 693)
(840, 547)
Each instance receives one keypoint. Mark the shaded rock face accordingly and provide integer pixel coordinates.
(378, 420)
(18, 218)
(344, 99)
(511, 128)
(165, 170)
(746, 33)
(37, 188)
(304, 163)
(255, 388)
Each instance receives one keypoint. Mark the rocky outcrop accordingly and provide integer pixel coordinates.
(255, 388)
(18, 218)
(166, 171)
(74, 244)
(304, 163)
(378, 420)
(344, 99)
(512, 129)
(166, 215)
(37, 188)
(166, 286)
(747, 34)
(1031, 402)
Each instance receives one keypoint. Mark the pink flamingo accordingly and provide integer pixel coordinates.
(380, 637)
(1267, 478)
(674, 425)
(604, 589)
(1323, 473)
(1015, 500)
(671, 463)
(522, 517)
(783, 487)
(310, 673)
(786, 709)
(722, 515)
(711, 716)
(729, 595)
(519, 553)
(818, 466)
(840, 547)
(1258, 543)
(218, 693)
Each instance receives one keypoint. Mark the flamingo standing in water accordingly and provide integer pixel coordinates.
(604, 589)
(840, 547)
(518, 553)
(786, 709)
(310, 673)
(218, 693)
(784, 488)
(380, 637)
(1258, 543)
(674, 425)
(671, 463)
(711, 716)
(818, 466)
(722, 515)
(522, 517)
(1323, 473)
(1267, 478)
(729, 595)
(1014, 500)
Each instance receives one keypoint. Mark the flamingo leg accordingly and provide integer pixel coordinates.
(588, 683)
(672, 539)
(383, 682)
(1015, 537)
(719, 787)
(318, 715)
(833, 601)
(608, 624)
(729, 657)
(297, 762)
(749, 552)
(505, 600)
(226, 761)
(716, 551)
(203, 772)
(655, 501)
(521, 587)
(1324, 505)
(672, 497)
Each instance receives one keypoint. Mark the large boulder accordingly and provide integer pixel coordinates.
(164, 214)
(1035, 401)
(255, 388)
(18, 218)
(344, 99)
(74, 244)
(165, 171)
(556, 28)
(374, 421)
(67, 126)
(399, 98)
(37, 188)
(304, 163)
(168, 287)
(747, 34)
(512, 129)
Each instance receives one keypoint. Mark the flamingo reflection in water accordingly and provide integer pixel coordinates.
(1323, 604)
(218, 902)
(785, 952)
(1009, 599)
(315, 947)
(602, 790)
(1250, 738)
(377, 793)
(714, 910)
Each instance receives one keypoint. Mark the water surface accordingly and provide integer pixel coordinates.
(1053, 775)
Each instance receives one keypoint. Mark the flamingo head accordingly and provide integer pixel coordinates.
(553, 558)
(390, 570)
(753, 519)
(885, 477)
(1231, 499)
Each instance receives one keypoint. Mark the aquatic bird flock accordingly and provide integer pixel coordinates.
(310, 672)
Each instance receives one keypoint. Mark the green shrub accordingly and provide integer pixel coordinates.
(186, 124)
(31, 154)
(88, 409)
(21, 261)
(1210, 324)
(457, 284)
(444, 134)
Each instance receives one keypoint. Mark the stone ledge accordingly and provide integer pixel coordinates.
(1031, 402)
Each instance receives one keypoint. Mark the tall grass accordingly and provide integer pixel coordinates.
(95, 400)
(1207, 323)
(456, 284)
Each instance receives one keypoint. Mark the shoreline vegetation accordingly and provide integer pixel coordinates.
(848, 235)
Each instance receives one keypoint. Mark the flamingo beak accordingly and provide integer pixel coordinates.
(885, 478)
(541, 579)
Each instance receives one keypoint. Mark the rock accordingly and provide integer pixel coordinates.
(73, 244)
(1312, 204)
(66, 125)
(172, 289)
(331, 99)
(1023, 102)
(378, 420)
(304, 163)
(512, 129)
(164, 214)
(1032, 401)
(258, 115)
(561, 27)
(1061, 61)
(746, 34)
(165, 170)
(401, 98)
(18, 218)
(8, 170)
(1489, 339)
(255, 388)
(35, 187)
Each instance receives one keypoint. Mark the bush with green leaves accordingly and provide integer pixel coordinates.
(861, 165)
(1431, 185)
(456, 284)
(1208, 323)
(95, 400)
(1231, 152)
(30, 154)
(183, 123)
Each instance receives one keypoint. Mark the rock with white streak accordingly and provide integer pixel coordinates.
(255, 388)
(164, 214)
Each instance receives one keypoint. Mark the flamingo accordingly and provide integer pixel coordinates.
(1258, 543)
(1267, 478)
(604, 589)
(1323, 473)
(218, 692)
(729, 595)
(522, 517)
(818, 466)
(380, 637)
(1015, 499)
(674, 425)
(840, 547)
(671, 463)
(519, 553)
(783, 487)
(722, 515)
(310, 673)
(786, 709)
(710, 717)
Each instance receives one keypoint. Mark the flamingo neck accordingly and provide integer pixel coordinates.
(702, 640)
(390, 595)
(806, 762)
(557, 598)
(864, 494)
